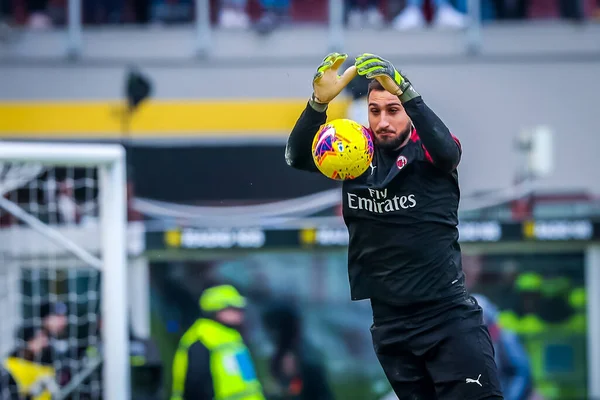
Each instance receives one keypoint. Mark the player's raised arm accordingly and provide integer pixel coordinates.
(327, 84)
(443, 148)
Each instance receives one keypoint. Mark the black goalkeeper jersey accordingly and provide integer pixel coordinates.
(401, 213)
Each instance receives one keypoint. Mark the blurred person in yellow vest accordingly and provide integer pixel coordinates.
(523, 317)
(555, 308)
(550, 321)
(525, 321)
(562, 347)
(578, 302)
(27, 369)
(212, 360)
(569, 340)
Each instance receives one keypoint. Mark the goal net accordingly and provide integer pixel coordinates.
(63, 307)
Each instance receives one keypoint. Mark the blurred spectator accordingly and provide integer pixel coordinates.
(105, 11)
(55, 321)
(38, 14)
(136, 11)
(578, 302)
(27, 367)
(68, 209)
(34, 344)
(169, 11)
(42, 14)
(490, 9)
(511, 357)
(274, 12)
(364, 12)
(54, 318)
(524, 9)
(567, 9)
(233, 14)
(296, 364)
(412, 17)
(555, 307)
(510, 9)
(527, 303)
(524, 319)
(212, 360)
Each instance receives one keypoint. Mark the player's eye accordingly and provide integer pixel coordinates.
(393, 110)
(374, 111)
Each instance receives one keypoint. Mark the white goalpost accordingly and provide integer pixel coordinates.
(63, 240)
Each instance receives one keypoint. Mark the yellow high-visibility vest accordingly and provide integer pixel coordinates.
(33, 379)
(231, 366)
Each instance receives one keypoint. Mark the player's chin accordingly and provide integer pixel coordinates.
(385, 137)
(386, 140)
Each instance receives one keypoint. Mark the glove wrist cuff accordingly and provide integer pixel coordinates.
(407, 92)
(315, 105)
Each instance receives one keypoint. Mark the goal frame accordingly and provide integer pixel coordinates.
(110, 159)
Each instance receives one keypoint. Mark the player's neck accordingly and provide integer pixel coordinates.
(405, 142)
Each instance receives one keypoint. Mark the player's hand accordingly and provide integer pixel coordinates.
(375, 67)
(327, 84)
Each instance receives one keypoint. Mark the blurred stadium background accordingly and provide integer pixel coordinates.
(202, 95)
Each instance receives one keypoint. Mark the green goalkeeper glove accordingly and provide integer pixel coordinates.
(374, 67)
(327, 84)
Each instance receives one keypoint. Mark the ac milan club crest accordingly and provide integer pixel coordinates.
(401, 162)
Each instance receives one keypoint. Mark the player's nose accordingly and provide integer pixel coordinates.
(385, 117)
(383, 124)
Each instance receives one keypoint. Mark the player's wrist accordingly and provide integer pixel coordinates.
(316, 104)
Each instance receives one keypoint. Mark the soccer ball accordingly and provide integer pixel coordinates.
(342, 149)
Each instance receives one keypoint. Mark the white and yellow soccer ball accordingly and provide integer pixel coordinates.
(342, 149)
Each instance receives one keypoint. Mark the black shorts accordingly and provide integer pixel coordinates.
(444, 354)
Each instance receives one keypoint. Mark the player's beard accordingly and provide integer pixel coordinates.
(392, 142)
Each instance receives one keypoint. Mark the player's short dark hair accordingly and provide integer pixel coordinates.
(375, 85)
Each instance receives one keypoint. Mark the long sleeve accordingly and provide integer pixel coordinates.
(443, 148)
(198, 380)
(299, 145)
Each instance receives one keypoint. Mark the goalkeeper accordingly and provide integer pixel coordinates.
(403, 254)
